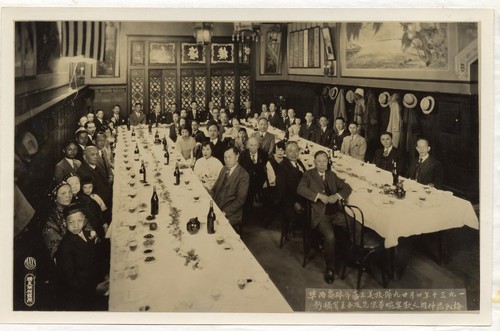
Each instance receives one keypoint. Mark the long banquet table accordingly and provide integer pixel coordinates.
(423, 210)
(190, 272)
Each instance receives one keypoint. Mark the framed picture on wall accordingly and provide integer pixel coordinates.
(192, 53)
(25, 49)
(222, 53)
(109, 68)
(272, 53)
(137, 53)
(327, 38)
(161, 53)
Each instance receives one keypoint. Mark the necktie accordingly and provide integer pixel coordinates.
(254, 158)
(297, 166)
(386, 151)
(417, 170)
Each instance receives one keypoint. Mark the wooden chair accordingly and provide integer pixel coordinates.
(363, 244)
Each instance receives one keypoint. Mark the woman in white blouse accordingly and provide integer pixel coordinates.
(207, 168)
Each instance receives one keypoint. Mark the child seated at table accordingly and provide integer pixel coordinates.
(88, 189)
(80, 263)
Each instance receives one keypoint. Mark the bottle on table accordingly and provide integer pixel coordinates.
(136, 152)
(167, 158)
(165, 143)
(334, 149)
(177, 174)
(330, 163)
(154, 202)
(157, 137)
(287, 135)
(143, 171)
(306, 151)
(211, 219)
(150, 128)
(128, 125)
(395, 175)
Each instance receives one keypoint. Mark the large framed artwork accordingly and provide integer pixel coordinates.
(109, 68)
(272, 52)
(222, 53)
(426, 51)
(25, 50)
(161, 53)
(137, 53)
(306, 48)
(192, 53)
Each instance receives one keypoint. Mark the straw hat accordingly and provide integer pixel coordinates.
(360, 92)
(349, 96)
(334, 91)
(384, 99)
(409, 100)
(427, 104)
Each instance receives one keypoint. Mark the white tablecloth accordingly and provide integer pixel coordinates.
(389, 217)
(167, 284)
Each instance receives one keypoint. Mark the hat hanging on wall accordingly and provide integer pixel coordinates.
(360, 92)
(410, 100)
(384, 99)
(427, 104)
(325, 92)
(334, 91)
(349, 96)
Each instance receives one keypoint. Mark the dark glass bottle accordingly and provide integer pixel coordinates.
(334, 149)
(133, 132)
(167, 158)
(143, 171)
(165, 143)
(211, 219)
(136, 152)
(177, 174)
(154, 202)
(330, 163)
(306, 150)
(150, 128)
(157, 137)
(128, 125)
(395, 175)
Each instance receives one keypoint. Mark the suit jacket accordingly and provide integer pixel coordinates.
(307, 132)
(289, 122)
(120, 120)
(431, 172)
(98, 124)
(245, 115)
(79, 153)
(355, 148)
(337, 140)
(173, 132)
(230, 193)
(136, 120)
(100, 180)
(311, 184)
(256, 171)
(233, 114)
(63, 168)
(219, 149)
(293, 177)
(155, 119)
(200, 116)
(385, 162)
(267, 142)
(169, 118)
(276, 121)
(323, 138)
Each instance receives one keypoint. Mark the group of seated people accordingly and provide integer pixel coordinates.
(236, 168)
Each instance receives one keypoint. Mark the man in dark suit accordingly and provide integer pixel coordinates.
(91, 168)
(195, 113)
(231, 187)
(340, 133)
(219, 146)
(82, 141)
(254, 161)
(275, 118)
(290, 119)
(91, 132)
(156, 118)
(267, 140)
(385, 157)
(198, 136)
(137, 117)
(324, 134)
(307, 129)
(174, 130)
(68, 164)
(117, 114)
(231, 112)
(99, 120)
(324, 189)
(425, 169)
(247, 112)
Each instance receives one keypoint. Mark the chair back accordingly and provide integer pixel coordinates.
(354, 220)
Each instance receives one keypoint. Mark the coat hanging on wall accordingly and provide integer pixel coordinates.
(370, 118)
(394, 125)
(339, 110)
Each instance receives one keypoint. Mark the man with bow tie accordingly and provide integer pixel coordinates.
(324, 189)
(385, 157)
(425, 169)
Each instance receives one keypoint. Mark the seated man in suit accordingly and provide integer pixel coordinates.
(290, 120)
(231, 187)
(425, 169)
(92, 168)
(156, 118)
(82, 140)
(246, 113)
(354, 145)
(308, 128)
(195, 113)
(340, 133)
(174, 130)
(267, 140)
(231, 112)
(198, 136)
(137, 117)
(219, 146)
(99, 119)
(224, 124)
(324, 135)
(68, 164)
(91, 132)
(324, 189)
(117, 115)
(275, 118)
(385, 157)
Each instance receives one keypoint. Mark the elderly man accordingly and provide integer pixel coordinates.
(105, 158)
(324, 135)
(91, 168)
(354, 145)
(308, 128)
(137, 117)
(425, 169)
(266, 139)
(324, 189)
(219, 146)
(231, 187)
(385, 157)
(68, 164)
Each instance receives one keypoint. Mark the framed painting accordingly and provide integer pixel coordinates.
(222, 53)
(192, 53)
(327, 39)
(161, 53)
(137, 53)
(306, 53)
(272, 53)
(425, 51)
(109, 68)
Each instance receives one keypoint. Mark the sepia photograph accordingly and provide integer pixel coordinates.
(287, 167)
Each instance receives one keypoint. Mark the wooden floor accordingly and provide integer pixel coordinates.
(422, 270)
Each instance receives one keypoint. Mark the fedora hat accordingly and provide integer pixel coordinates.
(427, 104)
(384, 99)
(325, 92)
(349, 96)
(360, 92)
(334, 91)
(410, 100)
